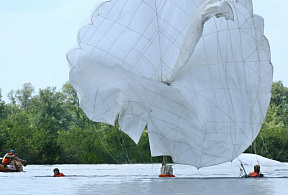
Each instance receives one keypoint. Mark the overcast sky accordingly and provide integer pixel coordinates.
(36, 35)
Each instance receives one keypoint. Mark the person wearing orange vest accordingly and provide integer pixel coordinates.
(166, 170)
(9, 157)
(256, 172)
(57, 173)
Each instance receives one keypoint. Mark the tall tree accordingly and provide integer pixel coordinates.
(48, 117)
(49, 108)
(24, 95)
(12, 97)
(278, 104)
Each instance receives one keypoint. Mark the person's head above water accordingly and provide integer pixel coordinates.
(257, 168)
(12, 151)
(56, 171)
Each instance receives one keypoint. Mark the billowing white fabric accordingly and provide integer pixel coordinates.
(196, 72)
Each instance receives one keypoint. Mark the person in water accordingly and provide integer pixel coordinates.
(256, 172)
(10, 158)
(57, 173)
(166, 169)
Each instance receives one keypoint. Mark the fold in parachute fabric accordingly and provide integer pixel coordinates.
(196, 72)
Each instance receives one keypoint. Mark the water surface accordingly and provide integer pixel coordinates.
(143, 179)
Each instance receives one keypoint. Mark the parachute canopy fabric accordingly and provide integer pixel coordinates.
(196, 72)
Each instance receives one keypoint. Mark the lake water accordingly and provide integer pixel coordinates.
(143, 179)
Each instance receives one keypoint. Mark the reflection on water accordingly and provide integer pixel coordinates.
(143, 179)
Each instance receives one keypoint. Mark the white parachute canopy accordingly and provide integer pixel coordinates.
(197, 72)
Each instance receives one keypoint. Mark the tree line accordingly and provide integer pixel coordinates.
(49, 127)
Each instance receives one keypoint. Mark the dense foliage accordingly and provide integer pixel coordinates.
(50, 127)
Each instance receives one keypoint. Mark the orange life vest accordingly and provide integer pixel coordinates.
(7, 158)
(253, 174)
(166, 175)
(60, 175)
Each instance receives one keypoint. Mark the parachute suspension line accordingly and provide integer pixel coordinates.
(104, 145)
(254, 145)
(123, 147)
(164, 159)
(265, 146)
(259, 81)
(242, 169)
(140, 153)
(125, 150)
(157, 17)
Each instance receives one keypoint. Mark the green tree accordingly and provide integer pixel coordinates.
(17, 133)
(12, 97)
(49, 117)
(279, 102)
(48, 110)
(24, 95)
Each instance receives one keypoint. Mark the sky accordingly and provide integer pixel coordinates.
(35, 36)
